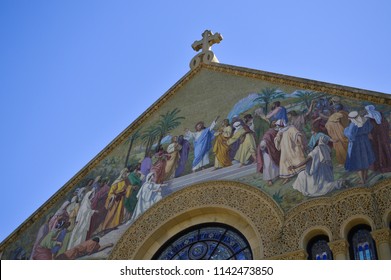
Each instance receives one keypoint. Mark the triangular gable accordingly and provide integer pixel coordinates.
(203, 94)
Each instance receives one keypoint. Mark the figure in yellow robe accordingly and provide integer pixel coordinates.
(115, 201)
(335, 126)
(247, 148)
(172, 162)
(220, 146)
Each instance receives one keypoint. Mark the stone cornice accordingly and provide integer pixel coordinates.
(333, 89)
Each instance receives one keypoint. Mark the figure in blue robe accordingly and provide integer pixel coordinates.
(360, 154)
(203, 138)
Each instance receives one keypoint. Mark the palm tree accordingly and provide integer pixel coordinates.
(131, 140)
(149, 136)
(168, 122)
(306, 96)
(267, 95)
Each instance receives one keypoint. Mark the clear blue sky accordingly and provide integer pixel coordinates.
(75, 74)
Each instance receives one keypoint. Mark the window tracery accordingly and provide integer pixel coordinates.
(361, 244)
(206, 242)
(318, 248)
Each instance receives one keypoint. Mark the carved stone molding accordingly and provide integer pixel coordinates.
(332, 212)
(252, 204)
(382, 196)
(296, 255)
(279, 233)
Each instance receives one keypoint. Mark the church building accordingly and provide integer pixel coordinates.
(229, 163)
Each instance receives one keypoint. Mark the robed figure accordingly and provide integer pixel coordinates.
(83, 220)
(317, 178)
(183, 155)
(203, 137)
(220, 146)
(148, 195)
(380, 139)
(290, 142)
(247, 148)
(268, 157)
(335, 126)
(172, 163)
(115, 201)
(360, 155)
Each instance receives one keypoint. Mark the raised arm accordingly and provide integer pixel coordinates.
(313, 102)
(272, 113)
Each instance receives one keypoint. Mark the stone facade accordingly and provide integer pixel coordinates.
(277, 221)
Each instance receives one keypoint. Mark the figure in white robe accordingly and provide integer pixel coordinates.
(289, 141)
(317, 179)
(270, 169)
(268, 157)
(83, 220)
(148, 195)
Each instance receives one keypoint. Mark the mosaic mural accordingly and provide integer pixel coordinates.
(291, 143)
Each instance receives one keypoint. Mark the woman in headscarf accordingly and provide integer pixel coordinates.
(380, 139)
(148, 195)
(360, 155)
(317, 178)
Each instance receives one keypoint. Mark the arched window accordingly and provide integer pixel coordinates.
(318, 249)
(206, 242)
(361, 244)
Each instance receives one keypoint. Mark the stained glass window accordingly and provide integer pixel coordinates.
(318, 249)
(361, 244)
(206, 242)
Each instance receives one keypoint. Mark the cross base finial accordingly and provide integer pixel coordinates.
(206, 55)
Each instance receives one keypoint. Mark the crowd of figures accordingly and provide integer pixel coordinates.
(94, 210)
(361, 143)
(280, 150)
